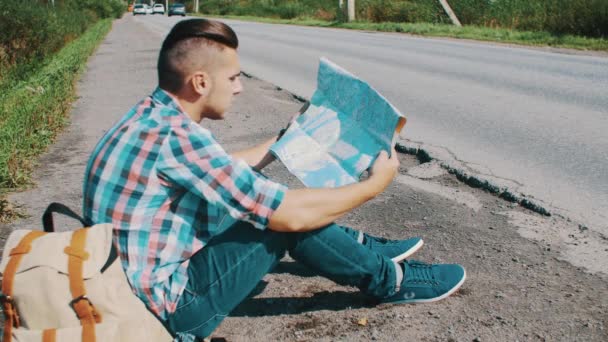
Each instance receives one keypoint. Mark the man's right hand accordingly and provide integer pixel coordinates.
(384, 169)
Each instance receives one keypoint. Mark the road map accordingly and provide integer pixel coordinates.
(341, 132)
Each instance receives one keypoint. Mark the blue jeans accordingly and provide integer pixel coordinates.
(226, 270)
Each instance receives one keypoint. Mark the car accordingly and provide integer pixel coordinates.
(177, 9)
(148, 9)
(140, 9)
(158, 8)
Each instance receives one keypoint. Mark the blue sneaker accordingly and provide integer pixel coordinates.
(397, 250)
(426, 283)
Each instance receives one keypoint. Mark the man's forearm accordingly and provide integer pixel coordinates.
(257, 157)
(309, 209)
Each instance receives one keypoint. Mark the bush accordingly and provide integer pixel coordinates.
(284, 9)
(578, 17)
(32, 30)
(34, 110)
(290, 10)
(471, 11)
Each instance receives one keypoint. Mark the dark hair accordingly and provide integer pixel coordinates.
(213, 33)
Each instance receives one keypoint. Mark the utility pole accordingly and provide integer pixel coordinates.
(450, 13)
(351, 10)
(195, 6)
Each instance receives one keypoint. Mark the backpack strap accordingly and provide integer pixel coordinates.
(10, 311)
(85, 310)
(49, 335)
(49, 226)
(47, 217)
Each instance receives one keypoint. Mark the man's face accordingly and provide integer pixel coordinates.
(225, 83)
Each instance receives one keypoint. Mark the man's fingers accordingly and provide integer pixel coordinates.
(393, 153)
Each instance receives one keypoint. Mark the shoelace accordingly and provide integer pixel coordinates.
(420, 273)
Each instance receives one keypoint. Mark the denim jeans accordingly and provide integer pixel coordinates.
(229, 267)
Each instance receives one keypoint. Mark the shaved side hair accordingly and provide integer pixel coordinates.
(191, 45)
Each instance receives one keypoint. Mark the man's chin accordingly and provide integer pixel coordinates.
(219, 117)
(213, 116)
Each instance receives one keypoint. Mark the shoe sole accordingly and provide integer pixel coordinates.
(430, 300)
(409, 252)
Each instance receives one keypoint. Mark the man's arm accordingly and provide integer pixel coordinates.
(257, 157)
(310, 209)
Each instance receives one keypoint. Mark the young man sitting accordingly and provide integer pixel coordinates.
(197, 228)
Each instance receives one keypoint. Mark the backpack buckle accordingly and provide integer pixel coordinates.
(85, 310)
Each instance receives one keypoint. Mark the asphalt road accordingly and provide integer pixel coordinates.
(538, 119)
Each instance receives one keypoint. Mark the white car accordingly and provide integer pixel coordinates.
(140, 9)
(158, 8)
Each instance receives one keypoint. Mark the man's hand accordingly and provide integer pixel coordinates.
(293, 119)
(384, 169)
(313, 208)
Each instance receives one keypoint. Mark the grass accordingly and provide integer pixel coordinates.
(440, 30)
(33, 111)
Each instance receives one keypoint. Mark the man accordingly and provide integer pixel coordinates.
(196, 228)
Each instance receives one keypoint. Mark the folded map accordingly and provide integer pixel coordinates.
(341, 132)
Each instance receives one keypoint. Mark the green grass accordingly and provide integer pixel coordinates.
(440, 30)
(33, 111)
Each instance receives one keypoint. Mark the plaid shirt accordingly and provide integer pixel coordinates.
(168, 187)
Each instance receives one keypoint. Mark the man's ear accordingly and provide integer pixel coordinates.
(201, 83)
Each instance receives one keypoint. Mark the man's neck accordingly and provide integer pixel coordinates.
(187, 104)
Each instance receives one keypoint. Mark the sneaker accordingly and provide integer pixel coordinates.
(426, 283)
(397, 250)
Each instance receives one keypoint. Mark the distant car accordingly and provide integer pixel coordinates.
(158, 8)
(140, 9)
(177, 9)
(148, 9)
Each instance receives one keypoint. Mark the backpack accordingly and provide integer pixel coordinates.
(70, 286)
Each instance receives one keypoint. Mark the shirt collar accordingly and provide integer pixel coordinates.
(164, 97)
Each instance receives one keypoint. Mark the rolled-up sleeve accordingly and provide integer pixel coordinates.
(190, 158)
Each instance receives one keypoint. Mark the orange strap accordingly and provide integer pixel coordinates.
(49, 335)
(81, 304)
(10, 311)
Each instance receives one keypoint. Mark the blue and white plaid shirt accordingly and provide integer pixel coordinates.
(168, 187)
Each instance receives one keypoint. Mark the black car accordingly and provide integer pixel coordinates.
(177, 9)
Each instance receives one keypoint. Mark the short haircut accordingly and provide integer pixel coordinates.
(186, 38)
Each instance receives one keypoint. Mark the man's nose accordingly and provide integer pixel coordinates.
(238, 87)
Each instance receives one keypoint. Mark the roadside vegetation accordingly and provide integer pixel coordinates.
(579, 24)
(43, 50)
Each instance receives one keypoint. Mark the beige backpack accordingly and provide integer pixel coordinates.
(70, 286)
